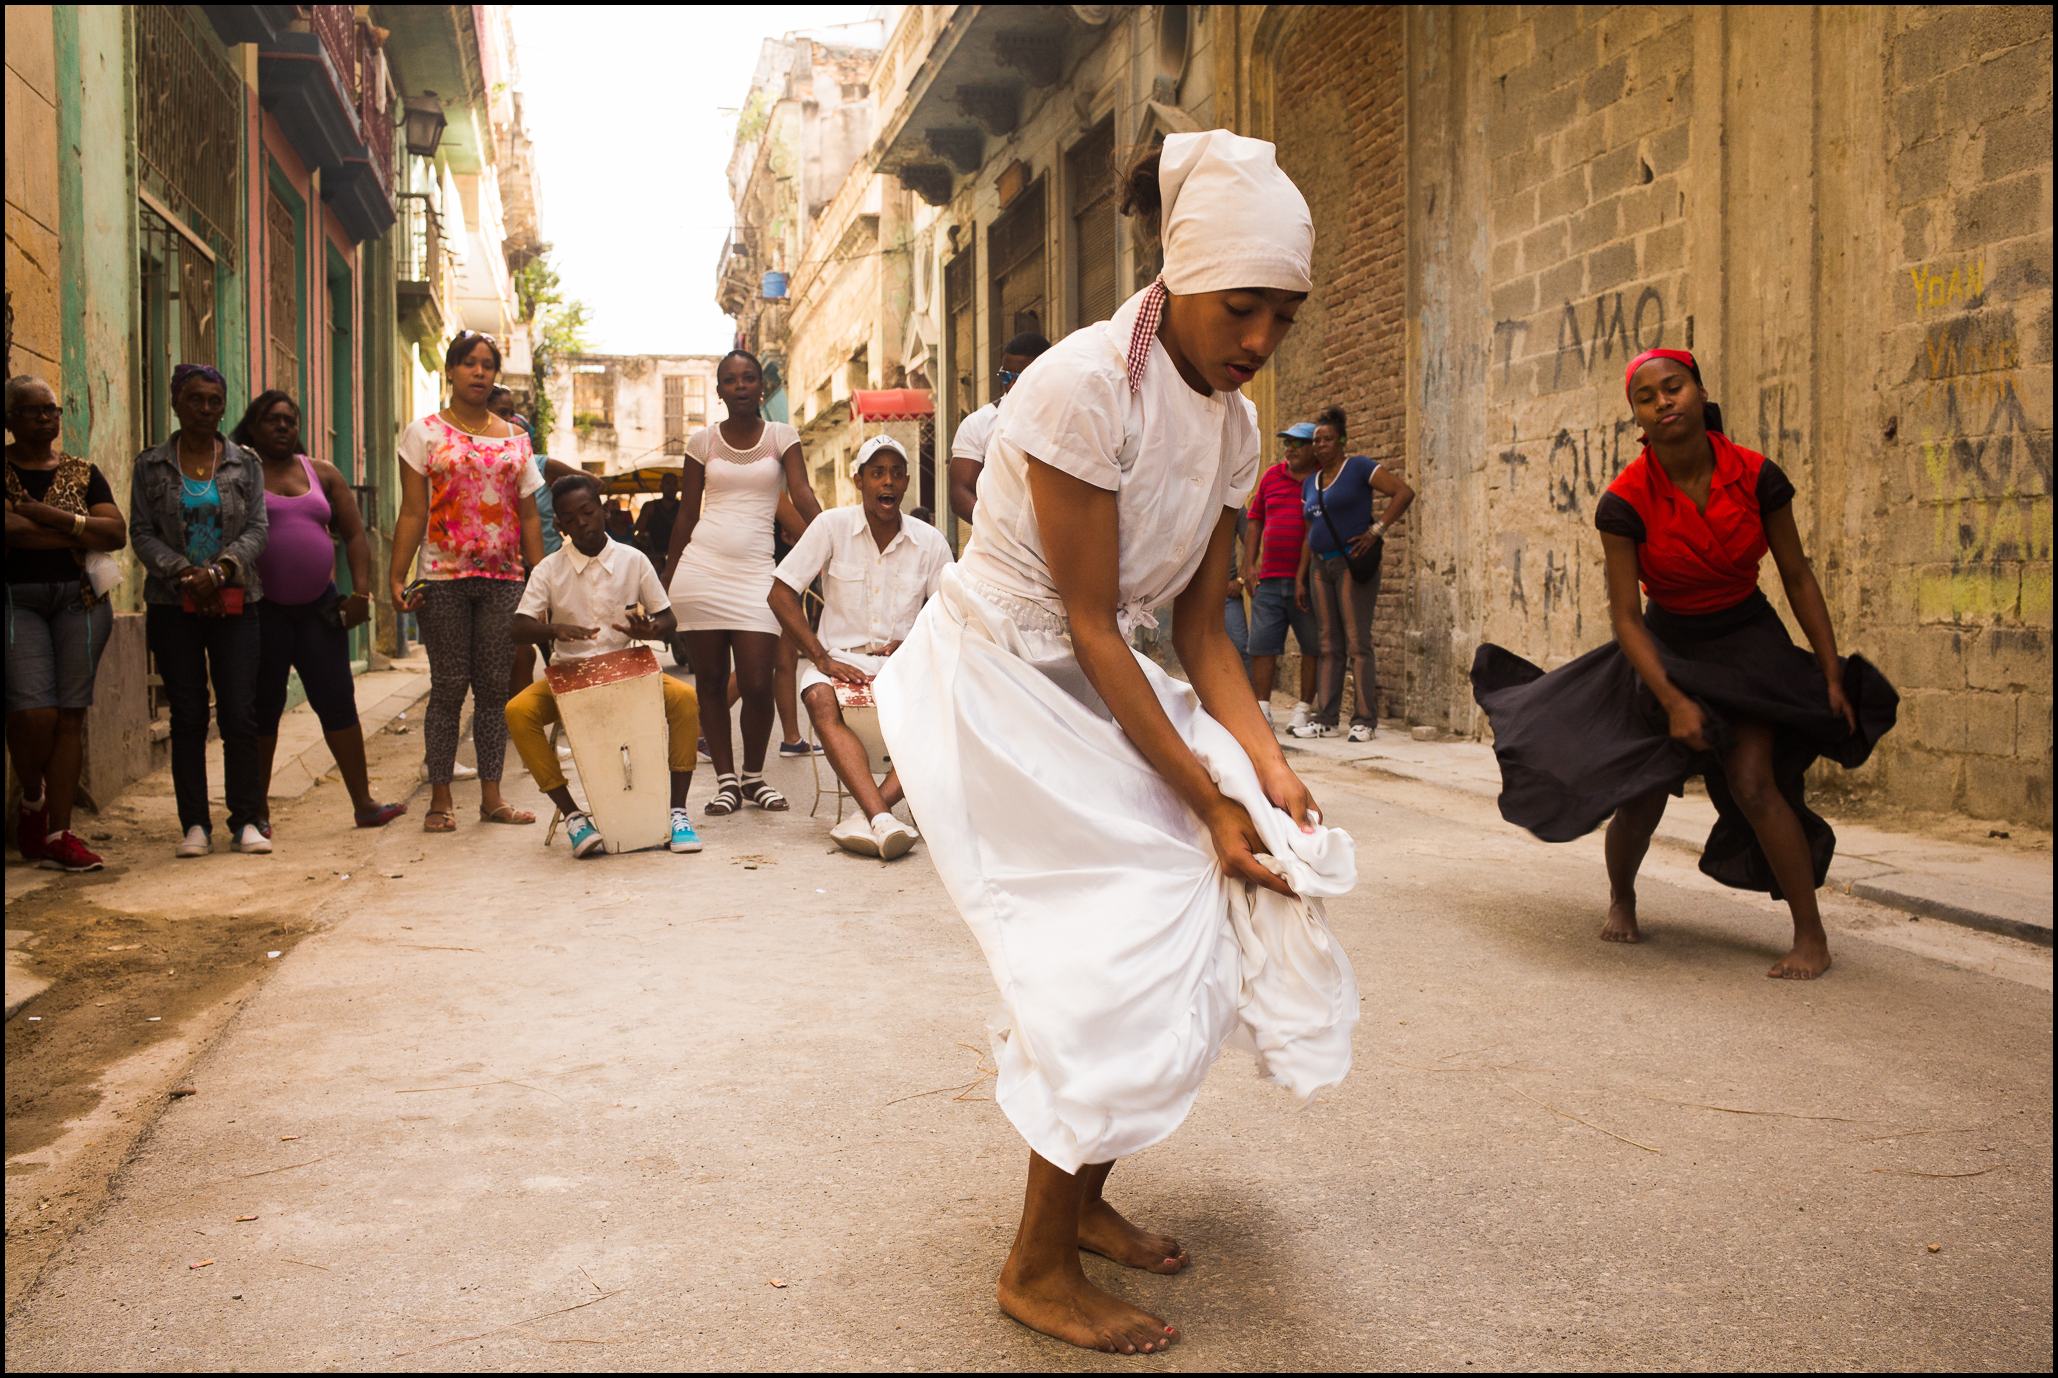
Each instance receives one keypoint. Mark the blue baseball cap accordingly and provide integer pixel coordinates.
(1300, 430)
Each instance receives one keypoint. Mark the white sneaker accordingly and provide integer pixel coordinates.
(252, 839)
(1315, 729)
(1265, 707)
(1361, 732)
(461, 771)
(1300, 715)
(854, 834)
(197, 842)
(895, 837)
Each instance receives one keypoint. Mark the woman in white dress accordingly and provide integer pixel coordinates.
(1138, 862)
(718, 570)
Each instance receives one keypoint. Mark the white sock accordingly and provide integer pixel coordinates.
(880, 820)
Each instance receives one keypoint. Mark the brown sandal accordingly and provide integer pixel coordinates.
(507, 813)
(447, 823)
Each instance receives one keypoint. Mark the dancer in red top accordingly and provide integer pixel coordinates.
(1703, 680)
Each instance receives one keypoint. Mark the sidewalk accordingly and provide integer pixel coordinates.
(2004, 887)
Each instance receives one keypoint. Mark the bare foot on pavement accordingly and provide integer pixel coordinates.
(1103, 1231)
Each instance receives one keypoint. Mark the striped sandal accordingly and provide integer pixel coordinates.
(756, 791)
(728, 798)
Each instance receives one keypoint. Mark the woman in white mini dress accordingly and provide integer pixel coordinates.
(718, 570)
(1138, 862)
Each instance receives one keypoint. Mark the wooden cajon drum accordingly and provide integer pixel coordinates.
(613, 709)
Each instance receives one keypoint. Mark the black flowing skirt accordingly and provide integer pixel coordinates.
(1578, 743)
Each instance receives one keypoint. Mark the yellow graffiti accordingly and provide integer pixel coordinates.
(1948, 359)
(2036, 589)
(1938, 291)
(1983, 524)
(1975, 593)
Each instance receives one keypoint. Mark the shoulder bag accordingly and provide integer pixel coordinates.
(1364, 568)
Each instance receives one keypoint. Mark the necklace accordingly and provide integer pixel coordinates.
(208, 477)
(452, 418)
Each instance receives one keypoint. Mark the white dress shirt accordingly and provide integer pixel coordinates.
(592, 591)
(974, 432)
(870, 597)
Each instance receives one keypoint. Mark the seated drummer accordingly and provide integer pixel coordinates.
(877, 570)
(591, 596)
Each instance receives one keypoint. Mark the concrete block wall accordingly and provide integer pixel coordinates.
(1960, 592)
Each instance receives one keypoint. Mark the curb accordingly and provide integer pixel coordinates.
(1876, 891)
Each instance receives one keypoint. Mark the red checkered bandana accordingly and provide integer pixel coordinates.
(1146, 332)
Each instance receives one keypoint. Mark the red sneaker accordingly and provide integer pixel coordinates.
(66, 853)
(30, 827)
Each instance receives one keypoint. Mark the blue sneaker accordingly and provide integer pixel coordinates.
(802, 748)
(684, 839)
(585, 837)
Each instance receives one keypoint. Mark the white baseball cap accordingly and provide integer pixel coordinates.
(874, 446)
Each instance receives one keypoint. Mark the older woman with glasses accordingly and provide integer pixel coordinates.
(468, 506)
(197, 516)
(60, 510)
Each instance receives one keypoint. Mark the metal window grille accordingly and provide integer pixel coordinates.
(189, 121)
(176, 317)
(422, 252)
(1015, 266)
(1089, 168)
(282, 295)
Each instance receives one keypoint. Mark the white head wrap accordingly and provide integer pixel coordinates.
(872, 447)
(1230, 217)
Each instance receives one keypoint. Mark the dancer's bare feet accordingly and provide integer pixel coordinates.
(1103, 1231)
(1065, 1306)
(1808, 960)
(1621, 926)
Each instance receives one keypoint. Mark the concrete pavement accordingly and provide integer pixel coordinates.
(730, 1111)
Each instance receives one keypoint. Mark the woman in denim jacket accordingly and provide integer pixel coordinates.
(197, 521)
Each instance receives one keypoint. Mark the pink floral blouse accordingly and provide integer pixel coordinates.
(476, 487)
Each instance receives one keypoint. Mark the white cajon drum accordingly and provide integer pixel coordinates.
(861, 716)
(613, 707)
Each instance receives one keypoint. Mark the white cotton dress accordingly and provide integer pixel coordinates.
(725, 571)
(1126, 958)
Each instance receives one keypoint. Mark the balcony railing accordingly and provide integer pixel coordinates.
(422, 253)
(375, 109)
(336, 27)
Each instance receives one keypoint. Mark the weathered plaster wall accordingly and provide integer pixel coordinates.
(32, 213)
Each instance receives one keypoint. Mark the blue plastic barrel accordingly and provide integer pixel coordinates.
(774, 288)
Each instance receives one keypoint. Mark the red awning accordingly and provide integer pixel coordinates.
(892, 404)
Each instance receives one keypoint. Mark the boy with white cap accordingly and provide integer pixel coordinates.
(877, 570)
(1136, 858)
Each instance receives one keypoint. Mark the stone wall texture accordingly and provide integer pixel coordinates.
(1845, 212)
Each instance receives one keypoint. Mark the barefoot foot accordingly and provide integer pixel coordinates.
(1808, 960)
(1621, 926)
(1103, 1231)
(1065, 1306)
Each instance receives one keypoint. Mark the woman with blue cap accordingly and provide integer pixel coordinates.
(1140, 865)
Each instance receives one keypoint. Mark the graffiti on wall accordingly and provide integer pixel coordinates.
(1986, 465)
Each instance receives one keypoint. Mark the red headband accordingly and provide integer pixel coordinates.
(1677, 356)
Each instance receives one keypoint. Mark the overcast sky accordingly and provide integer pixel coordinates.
(626, 107)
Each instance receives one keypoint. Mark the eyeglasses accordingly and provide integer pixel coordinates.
(1005, 377)
(38, 411)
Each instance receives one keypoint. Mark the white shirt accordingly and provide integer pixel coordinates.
(870, 597)
(974, 433)
(592, 591)
(1175, 458)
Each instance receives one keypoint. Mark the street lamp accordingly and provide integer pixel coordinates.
(424, 122)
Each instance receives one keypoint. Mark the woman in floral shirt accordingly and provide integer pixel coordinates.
(468, 504)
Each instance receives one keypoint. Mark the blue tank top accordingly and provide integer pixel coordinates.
(1349, 500)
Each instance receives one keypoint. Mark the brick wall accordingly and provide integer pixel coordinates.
(1339, 125)
(1964, 576)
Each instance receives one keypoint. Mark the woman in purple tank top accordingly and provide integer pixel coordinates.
(303, 622)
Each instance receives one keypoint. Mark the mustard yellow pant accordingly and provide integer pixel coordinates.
(531, 713)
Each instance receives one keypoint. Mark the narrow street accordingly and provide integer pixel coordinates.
(500, 1110)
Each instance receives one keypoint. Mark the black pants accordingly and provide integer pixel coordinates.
(299, 636)
(189, 650)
